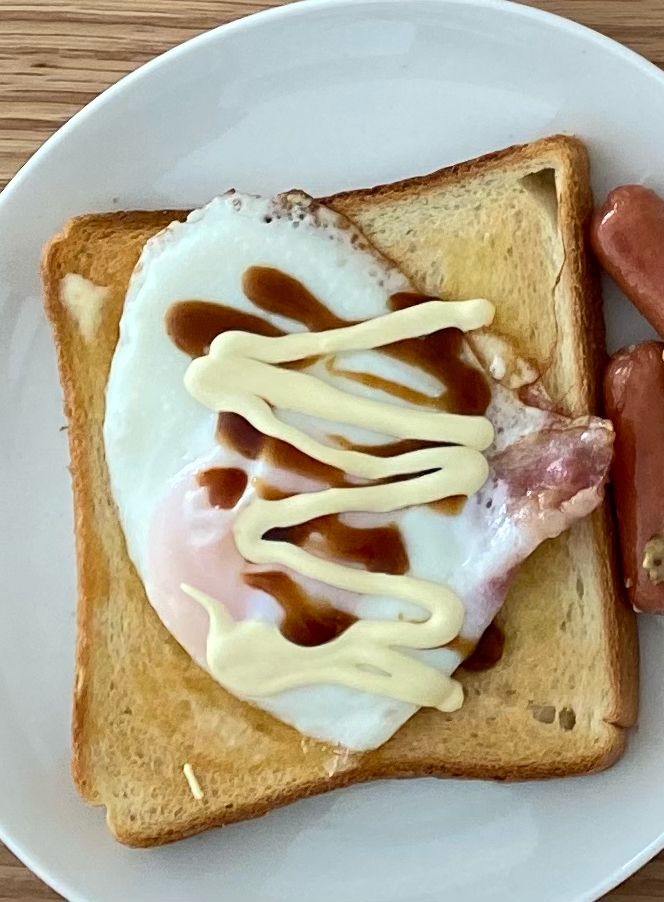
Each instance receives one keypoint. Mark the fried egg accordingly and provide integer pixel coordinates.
(158, 440)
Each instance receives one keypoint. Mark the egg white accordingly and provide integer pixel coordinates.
(153, 429)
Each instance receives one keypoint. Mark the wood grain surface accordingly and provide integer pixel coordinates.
(57, 55)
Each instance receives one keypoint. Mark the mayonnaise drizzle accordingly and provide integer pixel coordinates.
(241, 374)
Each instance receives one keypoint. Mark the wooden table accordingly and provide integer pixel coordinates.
(56, 55)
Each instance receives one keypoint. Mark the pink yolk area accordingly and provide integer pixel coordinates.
(192, 543)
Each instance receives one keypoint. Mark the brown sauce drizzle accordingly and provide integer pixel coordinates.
(270, 492)
(481, 655)
(451, 506)
(388, 449)
(238, 434)
(380, 549)
(440, 355)
(225, 485)
(275, 292)
(396, 389)
(306, 621)
(192, 326)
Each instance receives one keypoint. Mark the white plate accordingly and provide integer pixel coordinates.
(322, 95)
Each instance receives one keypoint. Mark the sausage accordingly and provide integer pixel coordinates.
(627, 235)
(634, 399)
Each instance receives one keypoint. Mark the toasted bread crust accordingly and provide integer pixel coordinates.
(128, 747)
(89, 555)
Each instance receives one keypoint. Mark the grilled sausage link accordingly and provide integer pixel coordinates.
(627, 236)
(634, 399)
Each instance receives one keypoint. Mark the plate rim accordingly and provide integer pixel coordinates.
(296, 9)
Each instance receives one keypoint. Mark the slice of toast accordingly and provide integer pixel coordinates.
(509, 226)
